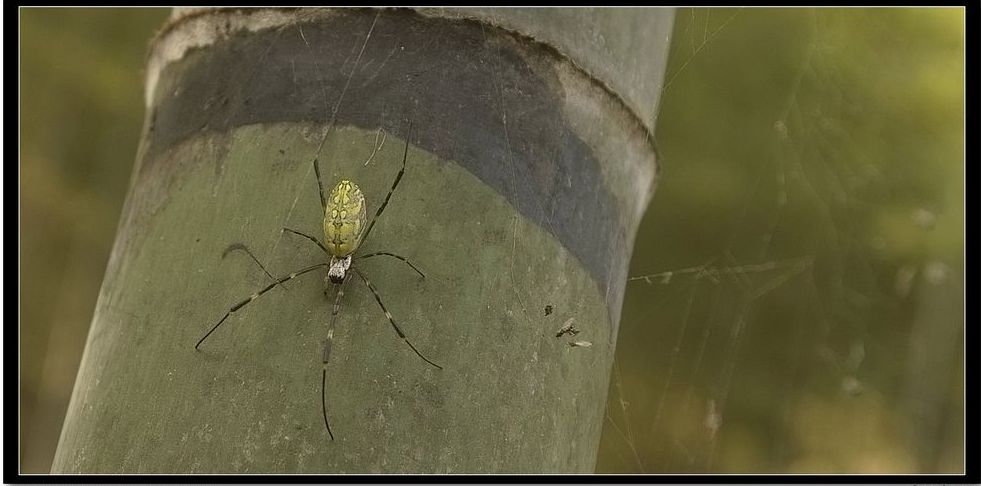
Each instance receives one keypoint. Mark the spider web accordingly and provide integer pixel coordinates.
(799, 237)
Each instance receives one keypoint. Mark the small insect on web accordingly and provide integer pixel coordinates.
(344, 213)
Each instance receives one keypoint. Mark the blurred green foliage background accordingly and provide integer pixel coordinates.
(796, 299)
(81, 109)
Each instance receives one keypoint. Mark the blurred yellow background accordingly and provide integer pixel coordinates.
(796, 301)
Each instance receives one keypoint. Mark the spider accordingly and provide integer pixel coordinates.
(344, 220)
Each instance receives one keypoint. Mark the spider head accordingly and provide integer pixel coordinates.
(338, 268)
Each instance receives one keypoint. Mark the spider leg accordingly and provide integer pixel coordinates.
(390, 319)
(404, 259)
(241, 246)
(256, 296)
(323, 405)
(395, 184)
(320, 185)
(311, 238)
(333, 319)
(326, 355)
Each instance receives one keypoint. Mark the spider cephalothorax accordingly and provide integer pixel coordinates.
(338, 269)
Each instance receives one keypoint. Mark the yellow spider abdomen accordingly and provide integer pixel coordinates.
(344, 219)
